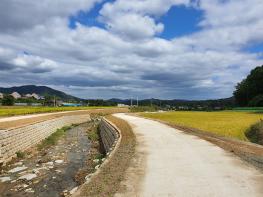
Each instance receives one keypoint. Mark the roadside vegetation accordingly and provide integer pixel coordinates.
(12, 111)
(107, 182)
(255, 133)
(224, 123)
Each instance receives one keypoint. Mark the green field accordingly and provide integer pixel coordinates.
(224, 123)
(12, 111)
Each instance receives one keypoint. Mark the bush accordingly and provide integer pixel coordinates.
(8, 100)
(255, 133)
(257, 101)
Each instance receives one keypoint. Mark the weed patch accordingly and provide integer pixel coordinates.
(53, 138)
(20, 155)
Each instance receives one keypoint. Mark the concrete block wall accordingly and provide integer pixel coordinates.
(20, 139)
(108, 134)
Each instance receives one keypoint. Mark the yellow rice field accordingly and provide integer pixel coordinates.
(12, 111)
(224, 123)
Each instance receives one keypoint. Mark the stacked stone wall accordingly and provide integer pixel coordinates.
(20, 139)
(109, 135)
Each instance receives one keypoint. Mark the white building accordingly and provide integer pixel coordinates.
(122, 105)
(16, 95)
(36, 96)
(28, 95)
(1, 95)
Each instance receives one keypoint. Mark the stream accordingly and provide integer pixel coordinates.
(51, 172)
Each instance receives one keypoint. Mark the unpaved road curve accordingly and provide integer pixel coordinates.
(182, 165)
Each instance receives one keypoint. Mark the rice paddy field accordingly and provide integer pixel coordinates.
(225, 123)
(12, 111)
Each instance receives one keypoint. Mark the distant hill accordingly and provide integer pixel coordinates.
(40, 90)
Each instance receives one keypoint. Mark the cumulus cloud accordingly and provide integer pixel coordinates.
(128, 57)
(16, 15)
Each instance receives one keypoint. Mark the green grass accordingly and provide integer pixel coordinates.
(249, 109)
(53, 138)
(20, 154)
(225, 123)
(12, 111)
(93, 135)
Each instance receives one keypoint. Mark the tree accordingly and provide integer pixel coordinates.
(257, 101)
(8, 100)
(250, 87)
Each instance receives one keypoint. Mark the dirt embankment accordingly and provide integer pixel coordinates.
(108, 180)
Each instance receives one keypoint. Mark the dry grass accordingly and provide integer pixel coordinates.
(107, 182)
(223, 123)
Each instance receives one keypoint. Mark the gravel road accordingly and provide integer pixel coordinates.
(172, 163)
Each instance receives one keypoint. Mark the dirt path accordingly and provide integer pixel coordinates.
(178, 164)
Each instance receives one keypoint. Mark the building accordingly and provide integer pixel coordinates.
(36, 96)
(71, 104)
(16, 95)
(1, 95)
(28, 96)
(122, 105)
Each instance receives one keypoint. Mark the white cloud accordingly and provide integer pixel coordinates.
(127, 58)
(16, 15)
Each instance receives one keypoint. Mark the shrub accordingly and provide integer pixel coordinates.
(255, 133)
(8, 100)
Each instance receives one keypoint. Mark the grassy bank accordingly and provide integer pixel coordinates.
(12, 111)
(224, 123)
(107, 182)
(53, 138)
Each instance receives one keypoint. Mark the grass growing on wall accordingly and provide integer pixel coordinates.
(53, 138)
(224, 123)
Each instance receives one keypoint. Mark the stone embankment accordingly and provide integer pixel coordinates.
(108, 134)
(22, 138)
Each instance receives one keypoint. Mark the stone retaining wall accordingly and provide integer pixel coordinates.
(108, 134)
(20, 139)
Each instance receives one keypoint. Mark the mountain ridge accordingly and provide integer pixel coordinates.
(40, 90)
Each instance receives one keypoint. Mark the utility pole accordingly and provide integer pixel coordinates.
(131, 102)
(137, 101)
(54, 101)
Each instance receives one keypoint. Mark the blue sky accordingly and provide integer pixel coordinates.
(180, 21)
(184, 49)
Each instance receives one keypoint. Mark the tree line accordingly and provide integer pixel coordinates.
(249, 92)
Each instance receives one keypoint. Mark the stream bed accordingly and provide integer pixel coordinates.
(52, 172)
